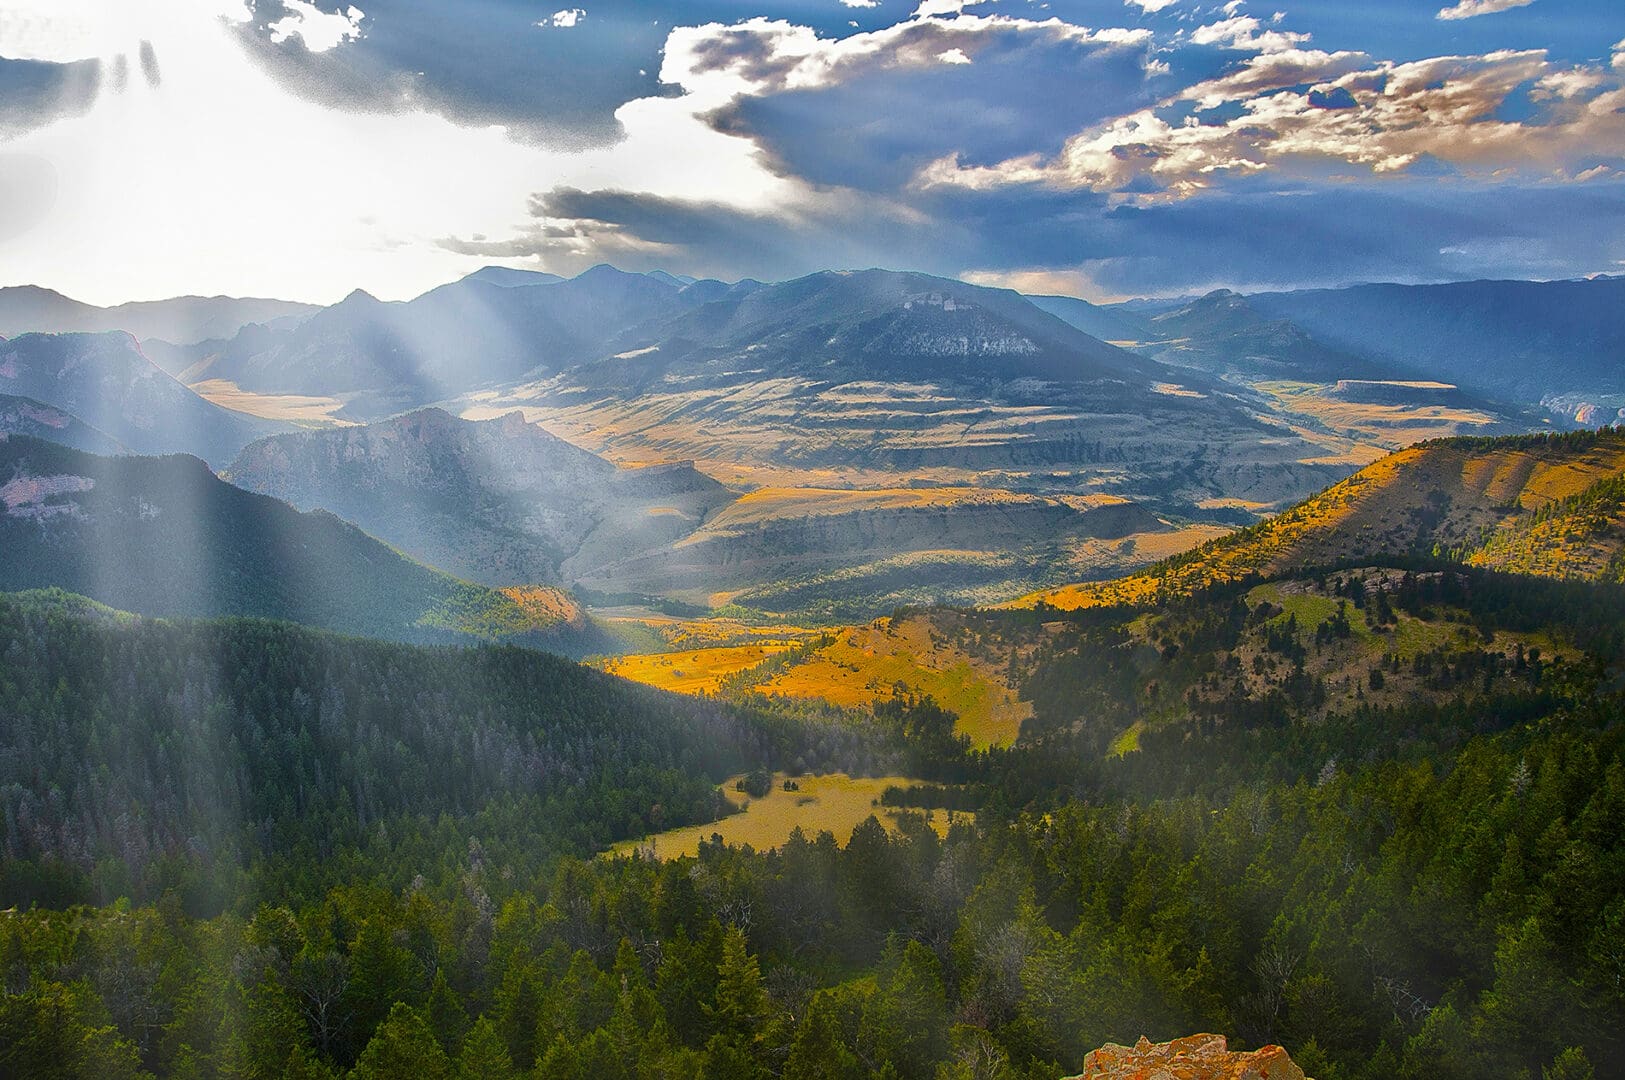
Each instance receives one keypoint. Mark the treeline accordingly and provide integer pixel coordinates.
(225, 760)
(1434, 915)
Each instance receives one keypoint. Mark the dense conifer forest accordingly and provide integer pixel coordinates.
(246, 849)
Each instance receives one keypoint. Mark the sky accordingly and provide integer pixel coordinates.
(1097, 148)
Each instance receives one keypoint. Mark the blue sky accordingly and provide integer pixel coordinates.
(1102, 148)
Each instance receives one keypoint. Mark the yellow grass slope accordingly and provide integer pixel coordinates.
(694, 671)
(1457, 494)
(966, 670)
(919, 655)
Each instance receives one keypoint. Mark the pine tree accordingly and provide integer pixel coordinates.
(404, 1045)
(484, 1055)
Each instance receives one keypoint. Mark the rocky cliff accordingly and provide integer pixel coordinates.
(1195, 1057)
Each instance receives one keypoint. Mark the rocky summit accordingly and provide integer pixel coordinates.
(1195, 1057)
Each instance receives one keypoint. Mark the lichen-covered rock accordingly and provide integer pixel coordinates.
(1195, 1057)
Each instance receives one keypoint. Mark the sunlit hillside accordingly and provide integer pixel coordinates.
(1491, 502)
(965, 666)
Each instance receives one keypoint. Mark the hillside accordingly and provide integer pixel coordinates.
(832, 552)
(499, 501)
(1113, 323)
(107, 382)
(503, 502)
(1516, 340)
(1353, 404)
(25, 416)
(1512, 503)
(1223, 331)
(166, 537)
(1579, 536)
(292, 741)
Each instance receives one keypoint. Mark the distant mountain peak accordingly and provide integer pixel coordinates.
(508, 277)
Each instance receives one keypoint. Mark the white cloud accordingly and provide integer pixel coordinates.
(564, 19)
(929, 8)
(861, 3)
(1150, 7)
(1444, 108)
(763, 56)
(1244, 32)
(1468, 9)
(953, 56)
(1572, 83)
(1274, 71)
(320, 31)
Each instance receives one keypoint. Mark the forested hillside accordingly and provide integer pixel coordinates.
(1399, 886)
(227, 761)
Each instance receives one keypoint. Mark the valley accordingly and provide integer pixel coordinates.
(934, 651)
(818, 540)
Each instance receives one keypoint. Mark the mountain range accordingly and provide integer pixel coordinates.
(862, 439)
(183, 320)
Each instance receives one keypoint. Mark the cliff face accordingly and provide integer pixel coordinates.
(1195, 1057)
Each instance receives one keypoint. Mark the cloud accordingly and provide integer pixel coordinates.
(860, 3)
(868, 110)
(1150, 7)
(320, 31)
(1274, 71)
(1042, 281)
(1469, 9)
(565, 19)
(765, 56)
(989, 140)
(229, 183)
(1243, 32)
(1387, 117)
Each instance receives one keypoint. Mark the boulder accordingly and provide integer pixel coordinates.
(1195, 1057)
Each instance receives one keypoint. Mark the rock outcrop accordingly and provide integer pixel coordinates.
(1195, 1057)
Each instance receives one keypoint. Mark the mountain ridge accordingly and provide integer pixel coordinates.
(178, 320)
(164, 536)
